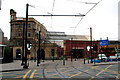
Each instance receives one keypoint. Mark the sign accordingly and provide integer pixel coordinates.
(103, 42)
(88, 48)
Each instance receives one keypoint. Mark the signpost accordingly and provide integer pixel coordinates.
(104, 43)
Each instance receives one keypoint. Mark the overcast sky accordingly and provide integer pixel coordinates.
(103, 18)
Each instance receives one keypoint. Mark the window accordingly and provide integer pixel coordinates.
(19, 34)
(29, 34)
(11, 17)
(19, 25)
(29, 25)
(18, 43)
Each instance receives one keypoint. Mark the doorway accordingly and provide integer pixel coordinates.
(78, 53)
(18, 53)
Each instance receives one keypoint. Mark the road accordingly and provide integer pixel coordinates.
(76, 69)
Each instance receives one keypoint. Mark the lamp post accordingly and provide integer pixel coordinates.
(26, 65)
(91, 43)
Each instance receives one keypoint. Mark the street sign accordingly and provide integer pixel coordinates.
(103, 42)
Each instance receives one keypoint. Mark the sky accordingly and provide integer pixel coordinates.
(103, 18)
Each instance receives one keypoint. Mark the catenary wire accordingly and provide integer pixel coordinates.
(86, 14)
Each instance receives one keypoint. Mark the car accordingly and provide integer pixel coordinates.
(118, 56)
(114, 58)
(102, 57)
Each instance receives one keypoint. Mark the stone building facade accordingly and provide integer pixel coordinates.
(17, 27)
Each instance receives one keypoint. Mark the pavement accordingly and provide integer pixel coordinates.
(16, 65)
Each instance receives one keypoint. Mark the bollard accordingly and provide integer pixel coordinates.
(53, 59)
(84, 60)
(63, 61)
(75, 58)
(88, 61)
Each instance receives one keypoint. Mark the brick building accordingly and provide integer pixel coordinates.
(79, 48)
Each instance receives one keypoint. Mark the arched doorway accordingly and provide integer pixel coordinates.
(18, 53)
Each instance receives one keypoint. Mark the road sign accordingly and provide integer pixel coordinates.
(103, 42)
(88, 48)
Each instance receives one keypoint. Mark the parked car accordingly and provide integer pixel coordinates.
(114, 58)
(102, 57)
(118, 56)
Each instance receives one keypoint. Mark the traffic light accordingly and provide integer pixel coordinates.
(95, 47)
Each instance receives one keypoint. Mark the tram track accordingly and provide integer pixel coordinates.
(59, 71)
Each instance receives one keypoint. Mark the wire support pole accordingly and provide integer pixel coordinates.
(26, 66)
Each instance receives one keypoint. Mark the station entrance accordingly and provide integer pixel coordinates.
(78, 53)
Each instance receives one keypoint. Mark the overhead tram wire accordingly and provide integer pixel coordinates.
(52, 13)
(59, 15)
(86, 14)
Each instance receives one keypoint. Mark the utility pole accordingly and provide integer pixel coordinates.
(101, 49)
(107, 50)
(25, 65)
(71, 49)
(91, 42)
(75, 52)
(39, 48)
(23, 45)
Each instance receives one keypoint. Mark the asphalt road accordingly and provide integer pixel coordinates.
(71, 70)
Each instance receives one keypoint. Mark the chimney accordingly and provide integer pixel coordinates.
(12, 14)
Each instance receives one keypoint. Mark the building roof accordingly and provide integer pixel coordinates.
(56, 36)
(78, 37)
(63, 36)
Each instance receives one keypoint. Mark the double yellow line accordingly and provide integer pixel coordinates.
(31, 76)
